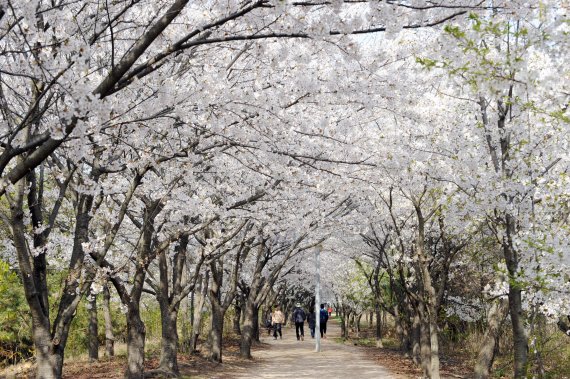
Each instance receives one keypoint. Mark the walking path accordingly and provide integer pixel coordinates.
(289, 358)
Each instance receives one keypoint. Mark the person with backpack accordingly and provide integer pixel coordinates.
(299, 317)
(324, 317)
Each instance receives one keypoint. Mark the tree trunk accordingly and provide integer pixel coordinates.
(169, 342)
(49, 359)
(135, 344)
(199, 298)
(93, 332)
(345, 322)
(434, 345)
(378, 326)
(428, 305)
(497, 315)
(342, 324)
(520, 338)
(248, 330)
(109, 337)
(216, 332)
(236, 319)
(49, 339)
(425, 348)
(415, 339)
(256, 331)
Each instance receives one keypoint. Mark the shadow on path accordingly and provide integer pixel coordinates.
(289, 358)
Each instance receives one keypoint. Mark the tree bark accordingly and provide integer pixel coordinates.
(434, 345)
(93, 329)
(236, 319)
(520, 338)
(358, 320)
(49, 344)
(199, 298)
(248, 330)
(49, 358)
(378, 326)
(415, 339)
(136, 330)
(425, 347)
(428, 301)
(216, 332)
(169, 343)
(136, 333)
(256, 331)
(486, 356)
(109, 337)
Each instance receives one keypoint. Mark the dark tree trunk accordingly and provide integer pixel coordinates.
(256, 331)
(93, 330)
(136, 333)
(109, 336)
(248, 330)
(520, 338)
(519, 332)
(236, 319)
(219, 306)
(136, 330)
(346, 322)
(378, 326)
(169, 343)
(216, 332)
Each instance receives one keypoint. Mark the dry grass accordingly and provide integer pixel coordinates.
(191, 366)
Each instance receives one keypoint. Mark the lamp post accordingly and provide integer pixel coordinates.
(318, 298)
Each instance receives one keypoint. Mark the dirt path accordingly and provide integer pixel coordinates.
(289, 358)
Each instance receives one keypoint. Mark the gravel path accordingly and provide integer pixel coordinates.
(289, 358)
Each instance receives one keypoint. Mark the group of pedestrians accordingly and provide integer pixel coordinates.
(299, 316)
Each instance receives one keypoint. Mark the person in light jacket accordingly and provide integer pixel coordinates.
(277, 319)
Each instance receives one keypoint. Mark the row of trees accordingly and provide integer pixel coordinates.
(468, 212)
(173, 149)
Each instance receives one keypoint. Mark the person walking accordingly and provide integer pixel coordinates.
(277, 319)
(312, 323)
(268, 323)
(299, 317)
(324, 316)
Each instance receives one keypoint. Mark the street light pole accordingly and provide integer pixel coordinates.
(318, 298)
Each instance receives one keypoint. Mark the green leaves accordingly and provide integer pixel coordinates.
(454, 31)
(15, 341)
(426, 62)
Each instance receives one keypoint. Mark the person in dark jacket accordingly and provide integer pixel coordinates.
(312, 323)
(324, 315)
(299, 317)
